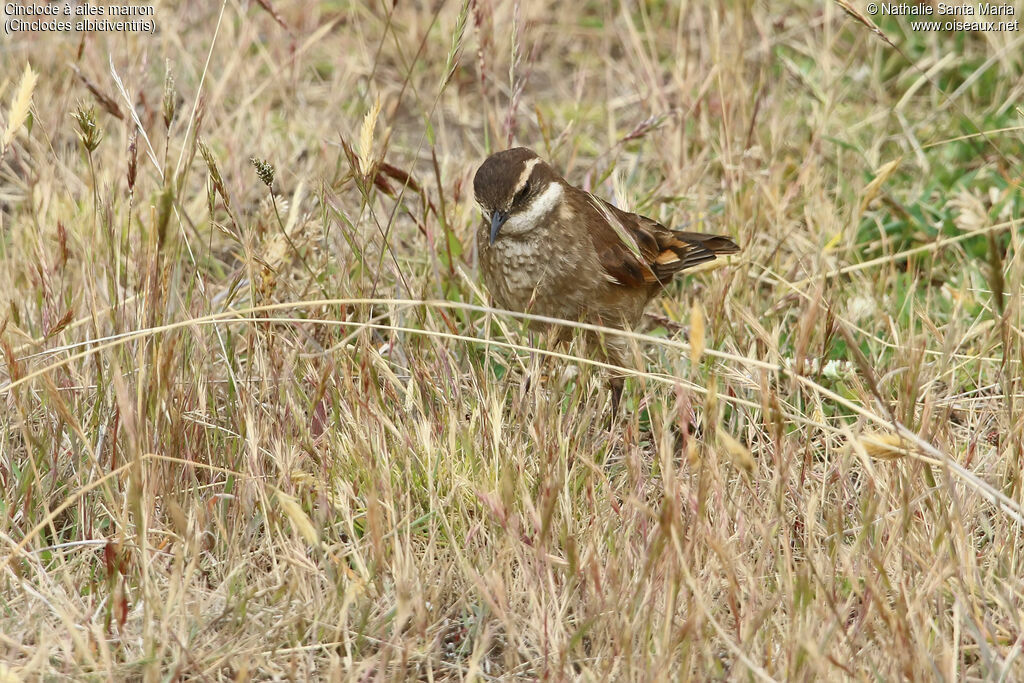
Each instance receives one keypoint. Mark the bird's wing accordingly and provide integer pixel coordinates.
(638, 252)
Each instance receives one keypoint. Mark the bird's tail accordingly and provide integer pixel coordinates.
(679, 250)
(716, 244)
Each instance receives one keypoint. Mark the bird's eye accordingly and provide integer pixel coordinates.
(521, 195)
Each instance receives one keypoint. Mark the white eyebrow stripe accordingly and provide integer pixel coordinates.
(540, 207)
(525, 175)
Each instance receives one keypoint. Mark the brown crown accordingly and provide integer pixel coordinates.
(497, 178)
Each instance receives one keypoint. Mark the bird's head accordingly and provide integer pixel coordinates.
(516, 190)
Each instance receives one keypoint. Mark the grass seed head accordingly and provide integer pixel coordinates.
(170, 100)
(19, 111)
(133, 162)
(215, 177)
(264, 169)
(88, 129)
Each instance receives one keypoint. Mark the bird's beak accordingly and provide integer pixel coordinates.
(498, 219)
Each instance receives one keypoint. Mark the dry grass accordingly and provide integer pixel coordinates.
(258, 422)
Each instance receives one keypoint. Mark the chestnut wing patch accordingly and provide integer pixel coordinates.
(624, 253)
(638, 252)
(620, 264)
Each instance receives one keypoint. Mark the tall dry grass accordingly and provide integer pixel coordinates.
(258, 421)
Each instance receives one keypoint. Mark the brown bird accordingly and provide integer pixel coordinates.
(549, 248)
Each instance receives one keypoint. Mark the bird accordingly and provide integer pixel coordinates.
(549, 248)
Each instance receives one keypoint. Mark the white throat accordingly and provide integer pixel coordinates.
(537, 211)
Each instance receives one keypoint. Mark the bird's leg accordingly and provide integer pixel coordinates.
(616, 384)
(616, 352)
(533, 368)
(540, 363)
